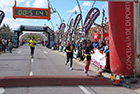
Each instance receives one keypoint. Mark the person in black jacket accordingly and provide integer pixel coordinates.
(69, 51)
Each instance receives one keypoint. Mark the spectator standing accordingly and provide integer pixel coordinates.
(106, 49)
(96, 44)
(0, 46)
(102, 46)
(10, 44)
(3, 45)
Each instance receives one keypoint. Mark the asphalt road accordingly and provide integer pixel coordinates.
(47, 62)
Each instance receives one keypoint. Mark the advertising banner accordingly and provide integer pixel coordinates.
(77, 20)
(69, 30)
(98, 59)
(2, 15)
(90, 18)
(61, 30)
(121, 37)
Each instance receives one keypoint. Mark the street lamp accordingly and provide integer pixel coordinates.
(75, 12)
(80, 13)
(52, 25)
(55, 11)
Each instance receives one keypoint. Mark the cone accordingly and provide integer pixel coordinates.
(117, 81)
(113, 77)
(100, 72)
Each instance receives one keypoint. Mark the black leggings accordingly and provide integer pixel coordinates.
(71, 61)
(32, 50)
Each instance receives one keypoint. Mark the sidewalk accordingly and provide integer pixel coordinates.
(134, 87)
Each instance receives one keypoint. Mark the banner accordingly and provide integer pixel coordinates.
(2, 15)
(77, 20)
(69, 30)
(98, 59)
(61, 30)
(121, 37)
(90, 18)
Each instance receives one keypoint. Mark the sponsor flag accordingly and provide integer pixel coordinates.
(61, 29)
(2, 15)
(77, 20)
(90, 18)
(69, 30)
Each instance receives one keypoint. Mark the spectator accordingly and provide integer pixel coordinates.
(102, 46)
(106, 49)
(96, 44)
(80, 46)
(0, 46)
(10, 46)
(3, 45)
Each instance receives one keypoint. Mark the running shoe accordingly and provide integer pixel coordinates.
(71, 68)
(32, 56)
(66, 63)
(86, 74)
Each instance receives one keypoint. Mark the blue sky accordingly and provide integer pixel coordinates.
(64, 7)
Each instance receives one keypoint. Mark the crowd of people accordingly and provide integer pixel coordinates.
(6, 45)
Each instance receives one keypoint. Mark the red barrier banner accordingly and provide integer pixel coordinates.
(121, 37)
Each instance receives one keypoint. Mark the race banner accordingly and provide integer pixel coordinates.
(2, 15)
(121, 37)
(61, 30)
(77, 20)
(98, 59)
(69, 30)
(90, 18)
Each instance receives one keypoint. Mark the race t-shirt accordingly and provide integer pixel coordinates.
(32, 43)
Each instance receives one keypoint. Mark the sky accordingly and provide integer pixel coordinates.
(64, 7)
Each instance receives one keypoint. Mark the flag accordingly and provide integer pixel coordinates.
(90, 18)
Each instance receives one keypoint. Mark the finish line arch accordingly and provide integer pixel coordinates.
(34, 28)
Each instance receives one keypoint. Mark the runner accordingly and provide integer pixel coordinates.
(87, 53)
(69, 50)
(32, 46)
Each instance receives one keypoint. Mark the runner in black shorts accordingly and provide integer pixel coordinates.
(87, 53)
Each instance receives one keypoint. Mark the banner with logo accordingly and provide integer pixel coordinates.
(76, 22)
(2, 15)
(90, 18)
(61, 30)
(69, 30)
(121, 37)
(99, 59)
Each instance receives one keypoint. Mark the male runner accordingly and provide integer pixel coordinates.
(32, 46)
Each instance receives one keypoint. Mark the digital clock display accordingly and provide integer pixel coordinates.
(31, 12)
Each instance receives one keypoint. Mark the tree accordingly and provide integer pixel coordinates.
(6, 32)
(103, 25)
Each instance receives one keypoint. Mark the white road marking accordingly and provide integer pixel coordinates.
(31, 74)
(83, 89)
(45, 52)
(2, 90)
(19, 52)
(32, 60)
